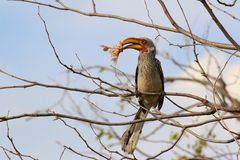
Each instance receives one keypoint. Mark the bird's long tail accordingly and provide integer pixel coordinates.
(131, 135)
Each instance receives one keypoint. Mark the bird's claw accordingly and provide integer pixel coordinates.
(137, 93)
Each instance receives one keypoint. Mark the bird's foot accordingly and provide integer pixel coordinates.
(137, 93)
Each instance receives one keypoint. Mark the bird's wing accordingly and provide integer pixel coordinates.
(136, 83)
(158, 65)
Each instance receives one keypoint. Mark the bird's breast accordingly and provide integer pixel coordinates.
(149, 79)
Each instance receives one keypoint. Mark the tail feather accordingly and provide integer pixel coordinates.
(131, 136)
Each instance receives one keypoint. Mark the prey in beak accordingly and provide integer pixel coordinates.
(129, 43)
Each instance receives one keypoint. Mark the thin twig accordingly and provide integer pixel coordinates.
(142, 23)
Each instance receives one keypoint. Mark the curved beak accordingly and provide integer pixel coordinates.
(132, 43)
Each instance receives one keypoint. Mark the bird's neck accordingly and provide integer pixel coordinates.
(146, 57)
(146, 63)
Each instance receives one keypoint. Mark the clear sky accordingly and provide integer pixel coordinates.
(25, 52)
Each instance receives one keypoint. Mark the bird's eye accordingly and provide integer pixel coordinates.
(144, 42)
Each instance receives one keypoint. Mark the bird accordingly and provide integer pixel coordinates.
(149, 78)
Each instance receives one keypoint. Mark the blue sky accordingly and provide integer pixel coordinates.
(25, 52)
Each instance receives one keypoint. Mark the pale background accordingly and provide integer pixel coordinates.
(25, 52)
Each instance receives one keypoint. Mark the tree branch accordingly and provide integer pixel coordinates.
(178, 30)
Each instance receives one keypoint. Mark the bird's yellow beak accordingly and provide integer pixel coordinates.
(132, 43)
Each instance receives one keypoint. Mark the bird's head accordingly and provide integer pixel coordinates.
(143, 45)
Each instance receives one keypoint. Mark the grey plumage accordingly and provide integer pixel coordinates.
(148, 78)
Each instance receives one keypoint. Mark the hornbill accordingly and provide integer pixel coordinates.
(148, 78)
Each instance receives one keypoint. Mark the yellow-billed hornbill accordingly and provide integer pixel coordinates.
(148, 78)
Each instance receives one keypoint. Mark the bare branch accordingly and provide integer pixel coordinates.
(176, 30)
(227, 4)
(94, 6)
(219, 24)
